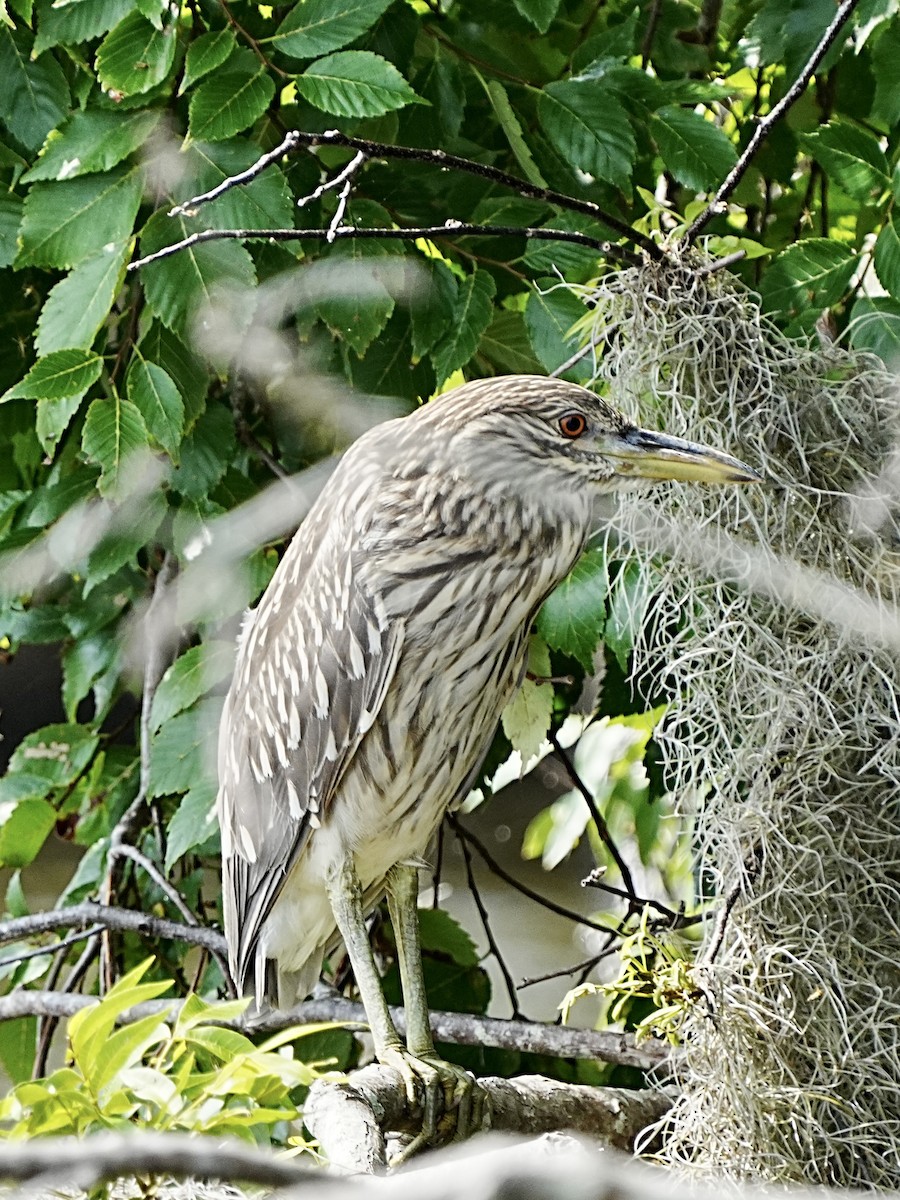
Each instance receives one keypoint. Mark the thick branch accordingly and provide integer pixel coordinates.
(450, 229)
(350, 1119)
(796, 90)
(81, 916)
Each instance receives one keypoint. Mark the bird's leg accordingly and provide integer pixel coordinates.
(464, 1098)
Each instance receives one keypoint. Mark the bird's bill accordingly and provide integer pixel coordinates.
(647, 455)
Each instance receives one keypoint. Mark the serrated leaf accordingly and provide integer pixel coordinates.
(114, 431)
(135, 56)
(180, 756)
(589, 128)
(161, 346)
(885, 56)
(431, 303)
(573, 616)
(85, 663)
(62, 373)
(23, 830)
(539, 12)
(355, 83)
(175, 287)
(191, 676)
(34, 95)
(193, 822)
(315, 27)
(887, 256)
(439, 933)
(629, 600)
(506, 345)
(78, 305)
(472, 314)
(57, 753)
(356, 305)
(206, 454)
(227, 103)
(811, 274)
(875, 326)
(53, 417)
(10, 219)
(73, 23)
(549, 317)
(509, 123)
(697, 153)
(526, 719)
(65, 223)
(850, 156)
(205, 53)
(90, 141)
(155, 394)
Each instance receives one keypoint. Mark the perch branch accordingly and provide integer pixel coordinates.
(794, 92)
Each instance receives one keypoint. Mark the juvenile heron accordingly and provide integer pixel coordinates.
(370, 679)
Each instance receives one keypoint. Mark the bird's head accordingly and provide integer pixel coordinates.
(551, 431)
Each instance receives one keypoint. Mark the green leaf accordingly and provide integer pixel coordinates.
(18, 1047)
(875, 326)
(549, 316)
(114, 431)
(809, 275)
(526, 719)
(161, 346)
(78, 305)
(205, 53)
(65, 223)
(62, 373)
(629, 600)
(509, 123)
(573, 616)
(227, 103)
(125, 1047)
(23, 830)
(472, 314)
(154, 393)
(439, 933)
(135, 56)
(56, 753)
(182, 754)
(205, 454)
(506, 345)
(315, 27)
(77, 22)
(355, 83)
(697, 152)
(90, 141)
(85, 664)
(177, 286)
(850, 156)
(539, 12)
(887, 256)
(191, 676)
(34, 95)
(193, 823)
(10, 220)
(885, 57)
(431, 303)
(53, 417)
(589, 128)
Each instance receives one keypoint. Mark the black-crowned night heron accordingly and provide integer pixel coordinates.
(370, 679)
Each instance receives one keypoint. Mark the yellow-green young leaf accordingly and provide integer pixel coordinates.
(526, 719)
(65, 223)
(573, 616)
(589, 128)
(90, 141)
(23, 830)
(472, 314)
(697, 152)
(205, 53)
(316, 27)
(53, 417)
(226, 103)
(355, 83)
(191, 676)
(114, 431)
(196, 1010)
(62, 373)
(125, 1048)
(850, 156)
(134, 57)
(78, 305)
(90, 1028)
(153, 391)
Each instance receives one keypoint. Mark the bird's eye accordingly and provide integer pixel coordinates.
(572, 425)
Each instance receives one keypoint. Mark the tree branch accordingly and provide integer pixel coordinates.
(451, 229)
(80, 916)
(796, 90)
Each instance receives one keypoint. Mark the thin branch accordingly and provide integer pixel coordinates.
(450, 228)
(149, 868)
(670, 918)
(458, 1029)
(791, 96)
(650, 31)
(721, 264)
(721, 926)
(586, 964)
(344, 180)
(49, 1024)
(488, 932)
(436, 158)
(110, 917)
(72, 940)
(602, 827)
(523, 888)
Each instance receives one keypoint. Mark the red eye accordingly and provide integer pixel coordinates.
(572, 425)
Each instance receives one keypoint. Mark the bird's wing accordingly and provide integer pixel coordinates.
(314, 664)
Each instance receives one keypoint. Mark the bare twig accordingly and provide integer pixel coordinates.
(794, 92)
(720, 264)
(72, 940)
(602, 827)
(110, 917)
(49, 1024)
(586, 964)
(189, 207)
(451, 229)
(125, 851)
(671, 919)
(650, 31)
(488, 932)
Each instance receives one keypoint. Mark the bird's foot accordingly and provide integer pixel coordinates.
(453, 1103)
